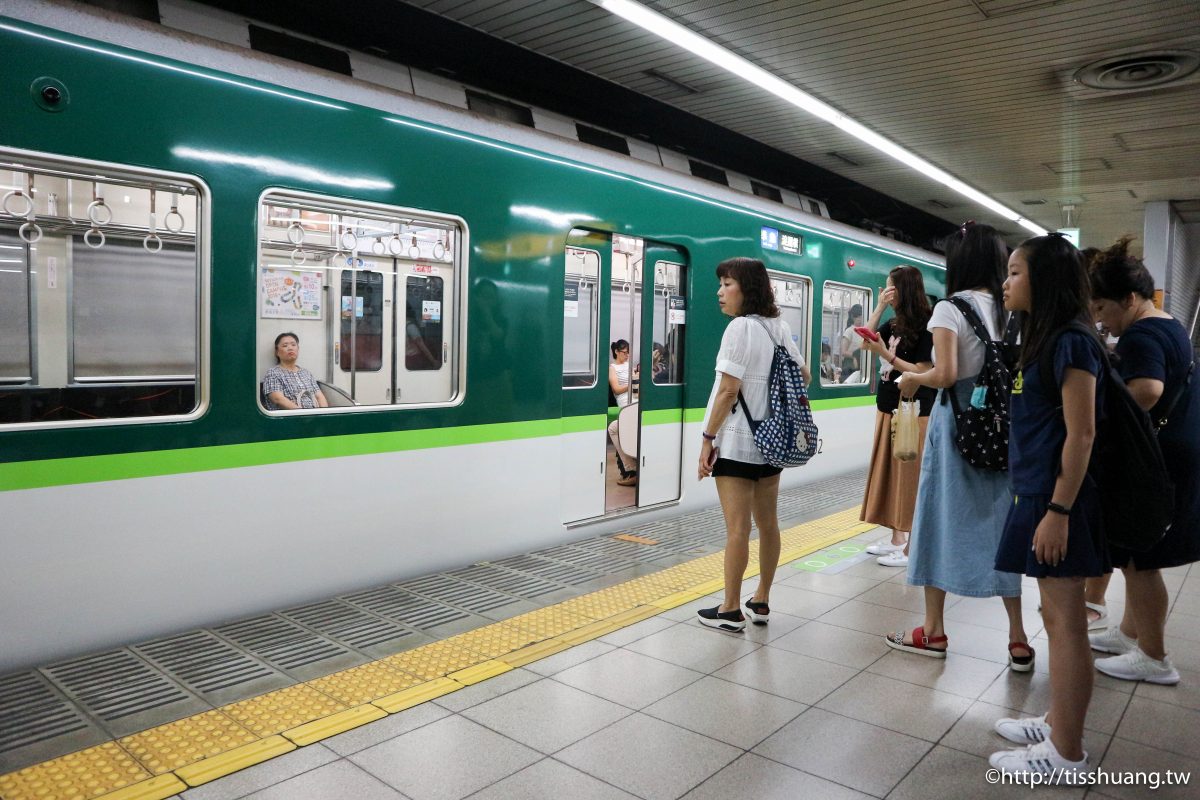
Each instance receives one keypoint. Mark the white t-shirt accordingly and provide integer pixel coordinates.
(746, 353)
(623, 379)
(970, 349)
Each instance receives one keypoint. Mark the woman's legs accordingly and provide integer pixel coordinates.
(624, 463)
(766, 517)
(899, 538)
(1070, 663)
(737, 499)
(1146, 603)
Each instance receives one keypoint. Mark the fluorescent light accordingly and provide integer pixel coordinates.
(672, 31)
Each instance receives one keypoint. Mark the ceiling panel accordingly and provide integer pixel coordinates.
(983, 88)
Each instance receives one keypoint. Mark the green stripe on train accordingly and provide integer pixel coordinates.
(120, 466)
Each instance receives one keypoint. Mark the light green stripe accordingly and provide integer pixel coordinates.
(585, 423)
(662, 416)
(694, 415)
(843, 402)
(90, 469)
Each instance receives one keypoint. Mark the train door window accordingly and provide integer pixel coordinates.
(375, 294)
(844, 361)
(361, 345)
(423, 323)
(16, 357)
(793, 296)
(102, 270)
(670, 320)
(581, 305)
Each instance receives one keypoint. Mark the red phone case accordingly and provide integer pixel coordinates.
(866, 333)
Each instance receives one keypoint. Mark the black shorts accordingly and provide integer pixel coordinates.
(728, 468)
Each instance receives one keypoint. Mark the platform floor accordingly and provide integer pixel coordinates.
(811, 705)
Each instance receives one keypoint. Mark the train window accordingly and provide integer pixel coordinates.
(793, 295)
(670, 319)
(843, 359)
(580, 318)
(101, 278)
(374, 295)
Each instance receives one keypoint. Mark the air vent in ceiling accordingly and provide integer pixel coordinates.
(1033, 202)
(844, 158)
(939, 203)
(1144, 70)
(991, 9)
(668, 85)
(1077, 165)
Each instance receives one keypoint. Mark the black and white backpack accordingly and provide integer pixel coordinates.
(982, 427)
(787, 436)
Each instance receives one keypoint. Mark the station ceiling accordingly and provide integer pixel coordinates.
(985, 89)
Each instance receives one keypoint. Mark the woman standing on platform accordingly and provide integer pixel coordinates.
(746, 484)
(1155, 362)
(904, 345)
(961, 509)
(1054, 531)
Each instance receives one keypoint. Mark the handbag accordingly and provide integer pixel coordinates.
(906, 430)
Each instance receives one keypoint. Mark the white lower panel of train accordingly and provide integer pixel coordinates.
(98, 565)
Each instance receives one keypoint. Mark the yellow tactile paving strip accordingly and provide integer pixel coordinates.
(164, 761)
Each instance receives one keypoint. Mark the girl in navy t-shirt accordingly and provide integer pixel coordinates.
(1053, 527)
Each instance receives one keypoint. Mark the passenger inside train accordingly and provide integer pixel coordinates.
(287, 385)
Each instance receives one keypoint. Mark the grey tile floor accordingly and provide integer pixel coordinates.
(811, 705)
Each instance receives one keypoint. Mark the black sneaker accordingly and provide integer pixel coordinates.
(724, 620)
(758, 613)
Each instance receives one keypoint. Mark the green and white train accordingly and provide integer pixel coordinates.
(170, 206)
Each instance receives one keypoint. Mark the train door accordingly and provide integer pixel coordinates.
(363, 293)
(623, 326)
(664, 316)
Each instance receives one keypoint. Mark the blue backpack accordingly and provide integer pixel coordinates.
(787, 436)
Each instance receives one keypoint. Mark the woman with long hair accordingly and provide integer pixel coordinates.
(960, 510)
(618, 388)
(746, 485)
(1155, 361)
(1053, 531)
(904, 345)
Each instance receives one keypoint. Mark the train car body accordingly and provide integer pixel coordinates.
(146, 486)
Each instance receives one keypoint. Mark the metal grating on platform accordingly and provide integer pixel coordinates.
(464, 595)
(122, 691)
(354, 627)
(65, 707)
(289, 647)
(211, 667)
(413, 610)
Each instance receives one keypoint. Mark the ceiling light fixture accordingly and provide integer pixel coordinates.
(672, 31)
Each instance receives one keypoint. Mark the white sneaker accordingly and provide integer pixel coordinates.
(1027, 730)
(1041, 759)
(884, 547)
(1111, 641)
(1137, 666)
(896, 559)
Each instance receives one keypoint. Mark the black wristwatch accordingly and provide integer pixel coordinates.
(1057, 509)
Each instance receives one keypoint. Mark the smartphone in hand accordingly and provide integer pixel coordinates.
(866, 333)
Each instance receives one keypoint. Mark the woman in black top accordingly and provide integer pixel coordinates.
(1155, 360)
(904, 346)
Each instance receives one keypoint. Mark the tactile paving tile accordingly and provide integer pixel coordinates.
(493, 640)
(283, 709)
(169, 747)
(364, 684)
(93, 772)
(609, 602)
(549, 622)
(435, 660)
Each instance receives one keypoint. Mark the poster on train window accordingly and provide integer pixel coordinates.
(290, 294)
(571, 299)
(676, 310)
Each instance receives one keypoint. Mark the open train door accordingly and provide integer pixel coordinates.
(664, 322)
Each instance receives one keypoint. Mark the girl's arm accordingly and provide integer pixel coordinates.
(727, 396)
(941, 376)
(614, 382)
(1079, 414)
(1146, 391)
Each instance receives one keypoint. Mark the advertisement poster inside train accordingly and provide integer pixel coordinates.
(290, 294)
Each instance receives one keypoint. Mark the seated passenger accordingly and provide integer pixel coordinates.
(827, 370)
(288, 386)
(618, 385)
(660, 363)
(850, 370)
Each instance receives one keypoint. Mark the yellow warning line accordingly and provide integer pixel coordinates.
(163, 761)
